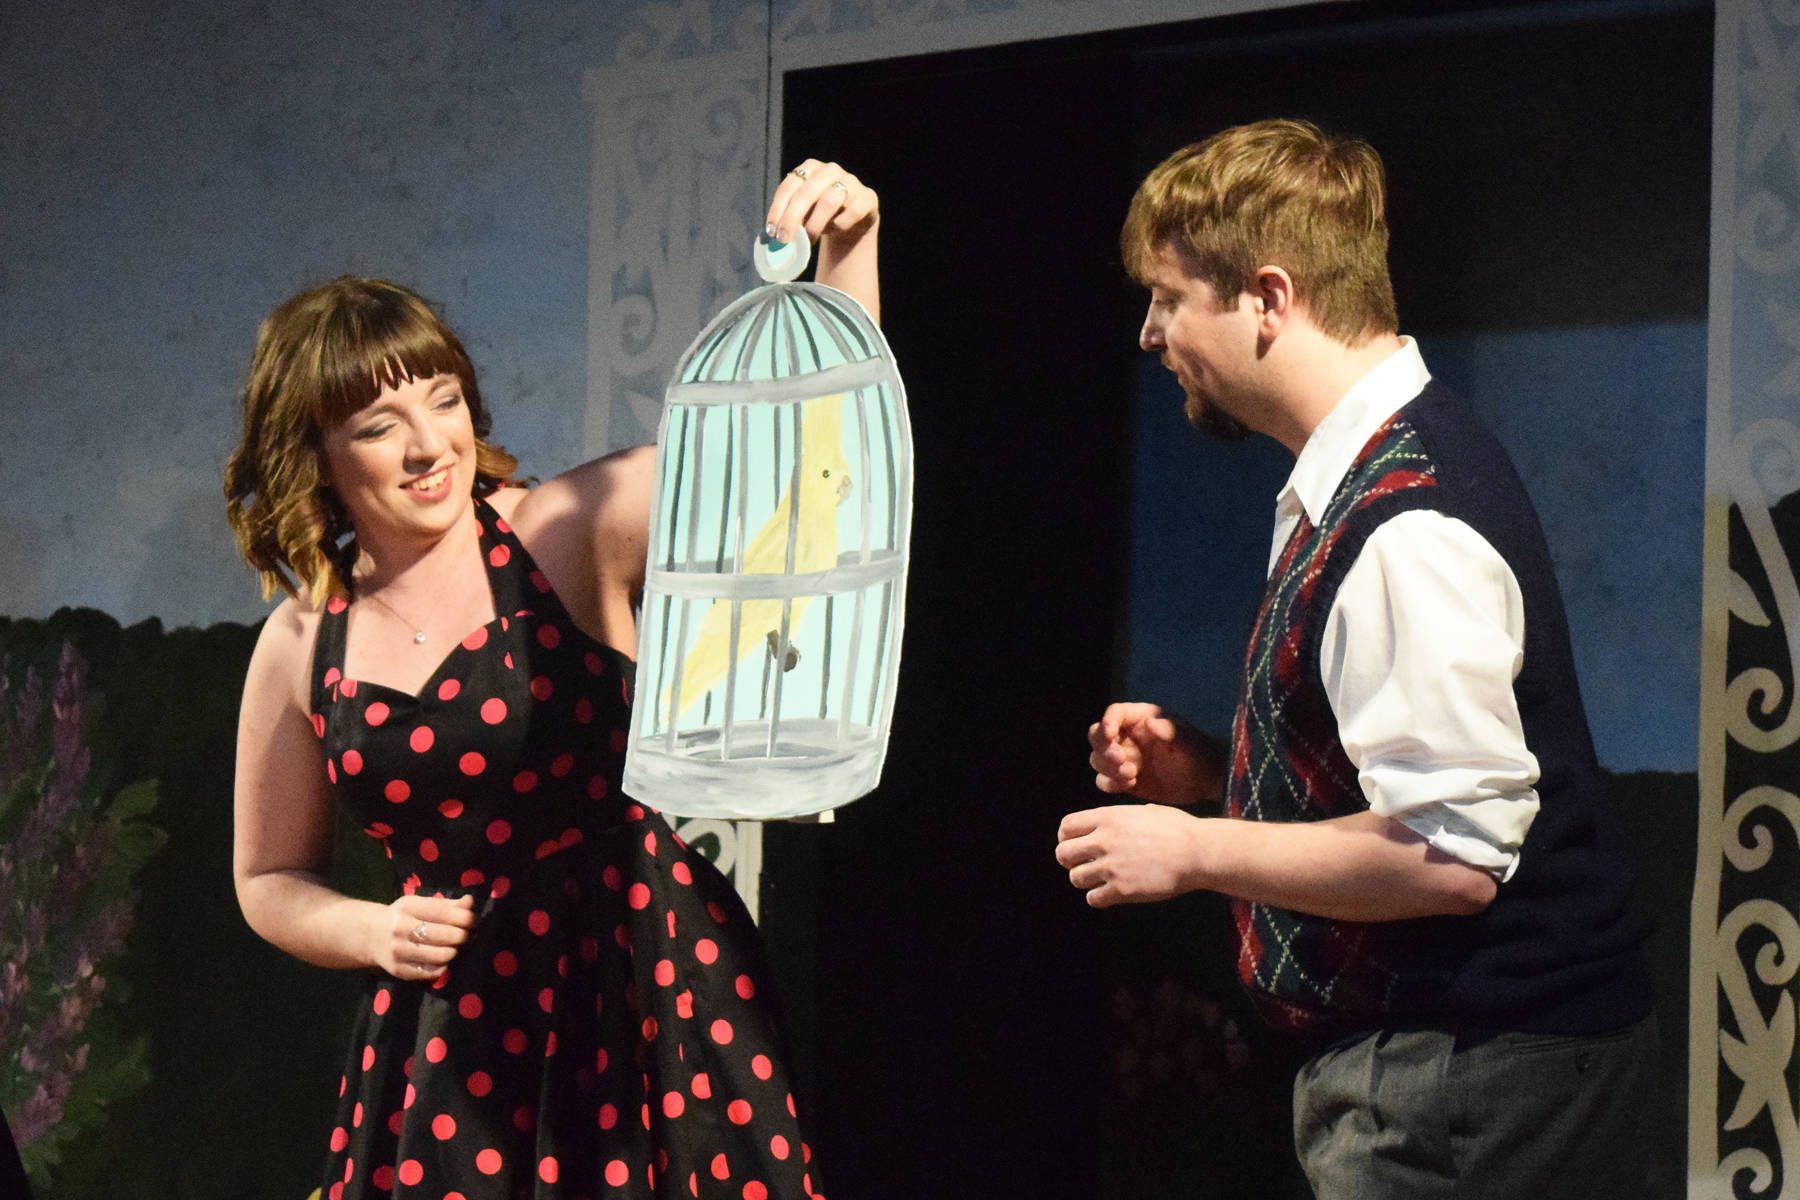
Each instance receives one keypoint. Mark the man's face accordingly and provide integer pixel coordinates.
(1208, 346)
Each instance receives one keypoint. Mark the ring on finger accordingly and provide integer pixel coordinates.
(840, 186)
(801, 173)
(418, 933)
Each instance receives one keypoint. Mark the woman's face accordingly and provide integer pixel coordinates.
(404, 467)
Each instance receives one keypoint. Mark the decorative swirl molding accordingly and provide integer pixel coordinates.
(1755, 855)
(1764, 466)
(1761, 1053)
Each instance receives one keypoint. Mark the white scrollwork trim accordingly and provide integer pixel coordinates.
(1761, 1051)
(1764, 467)
(1755, 855)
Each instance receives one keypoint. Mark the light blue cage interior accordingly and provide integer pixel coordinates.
(769, 640)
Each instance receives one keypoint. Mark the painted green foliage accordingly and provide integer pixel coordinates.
(70, 849)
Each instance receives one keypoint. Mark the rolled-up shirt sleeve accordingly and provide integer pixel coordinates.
(1419, 654)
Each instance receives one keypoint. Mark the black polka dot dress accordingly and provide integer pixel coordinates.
(606, 1031)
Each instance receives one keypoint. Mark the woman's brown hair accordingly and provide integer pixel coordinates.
(321, 357)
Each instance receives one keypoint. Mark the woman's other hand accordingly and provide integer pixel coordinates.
(422, 934)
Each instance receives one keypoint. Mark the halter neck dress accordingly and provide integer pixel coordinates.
(606, 1031)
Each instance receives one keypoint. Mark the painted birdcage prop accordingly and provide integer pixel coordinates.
(775, 584)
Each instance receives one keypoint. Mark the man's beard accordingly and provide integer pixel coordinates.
(1214, 424)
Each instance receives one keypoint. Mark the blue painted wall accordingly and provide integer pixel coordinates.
(1605, 424)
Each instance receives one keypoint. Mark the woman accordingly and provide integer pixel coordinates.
(563, 1000)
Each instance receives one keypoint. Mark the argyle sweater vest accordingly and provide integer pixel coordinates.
(1557, 951)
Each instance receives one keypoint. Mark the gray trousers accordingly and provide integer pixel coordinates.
(1413, 1115)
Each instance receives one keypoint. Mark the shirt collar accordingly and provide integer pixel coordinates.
(1335, 443)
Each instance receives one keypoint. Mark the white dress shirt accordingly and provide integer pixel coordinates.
(1420, 649)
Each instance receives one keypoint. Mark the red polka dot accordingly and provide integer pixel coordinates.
(618, 741)
(379, 831)
(549, 637)
(597, 787)
(539, 581)
(451, 808)
(524, 781)
(682, 874)
(376, 713)
(421, 739)
(476, 640)
(523, 1119)
(428, 850)
(617, 1173)
(368, 1057)
(707, 951)
(506, 963)
(356, 1115)
(611, 878)
(609, 1116)
(472, 763)
(754, 1190)
(340, 1137)
(447, 690)
(702, 1087)
(397, 790)
(443, 1127)
(671, 916)
(720, 1168)
(542, 688)
(739, 1112)
(499, 556)
(515, 1041)
(383, 1178)
(590, 949)
(331, 770)
(665, 972)
(411, 1171)
(502, 885)
(684, 1005)
(592, 662)
(778, 1146)
(746, 987)
(336, 605)
(547, 1170)
(562, 765)
(469, 1006)
(488, 1162)
(493, 711)
(347, 688)
(539, 921)
(547, 1002)
(472, 878)
(480, 1084)
(435, 1050)
(762, 1066)
(673, 1104)
(352, 762)
(498, 831)
(716, 911)
(650, 843)
(382, 999)
(649, 1029)
(411, 1093)
(722, 1032)
(638, 897)
(318, 724)
(584, 711)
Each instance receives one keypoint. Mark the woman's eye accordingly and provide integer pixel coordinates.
(370, 433)
(449, 402)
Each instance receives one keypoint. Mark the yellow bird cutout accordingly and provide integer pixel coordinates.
(824, 484)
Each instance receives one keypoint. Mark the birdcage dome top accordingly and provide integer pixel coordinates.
(814, 337)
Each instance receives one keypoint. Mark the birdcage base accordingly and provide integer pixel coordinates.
(814, 766)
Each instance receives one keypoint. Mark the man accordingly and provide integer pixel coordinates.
(1412, 832)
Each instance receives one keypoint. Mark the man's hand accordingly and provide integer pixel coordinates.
(1129, 853)
(1138, 749)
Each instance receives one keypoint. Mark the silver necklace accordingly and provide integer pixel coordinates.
(418, 634)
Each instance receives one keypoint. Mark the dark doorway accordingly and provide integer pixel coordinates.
(966, 1026)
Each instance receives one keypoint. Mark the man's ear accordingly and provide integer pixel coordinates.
(1272, 292)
